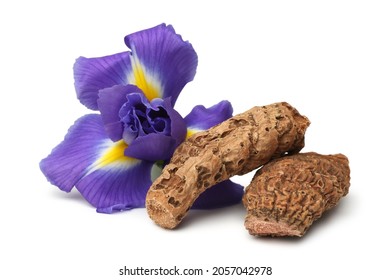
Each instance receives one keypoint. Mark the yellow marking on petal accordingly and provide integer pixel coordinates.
(115, 154)
(191, 131)
(145, 80)
(113, 157)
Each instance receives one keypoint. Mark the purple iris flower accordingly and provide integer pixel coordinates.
(113, 157)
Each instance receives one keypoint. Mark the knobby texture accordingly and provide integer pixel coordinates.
(288, 194)
(234, 147)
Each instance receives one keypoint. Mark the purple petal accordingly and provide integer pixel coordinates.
(69, 161)
(223, 194)
(110, 102)
(94, 74)
(161, 128)
(201, 118)
(159, 146)
(178, 124)
(162, 62)
(114, 189)
(133, 115)
(93, 163)
(152, 147)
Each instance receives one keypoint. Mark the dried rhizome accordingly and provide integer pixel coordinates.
(288, 194)
(234, 147)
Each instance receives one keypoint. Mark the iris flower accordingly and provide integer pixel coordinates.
(112, 156)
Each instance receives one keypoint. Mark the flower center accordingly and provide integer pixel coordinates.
(140, 118)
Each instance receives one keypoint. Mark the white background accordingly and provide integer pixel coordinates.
(329, 59)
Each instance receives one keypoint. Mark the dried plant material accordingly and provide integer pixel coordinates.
(234, 147)
(288, 194)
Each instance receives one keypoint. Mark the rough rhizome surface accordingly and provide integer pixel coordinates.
(234, 147)
(288, 194)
